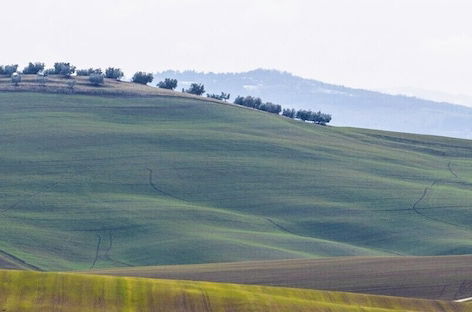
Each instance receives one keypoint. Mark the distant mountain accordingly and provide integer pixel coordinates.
(438, 96)
(349, 107)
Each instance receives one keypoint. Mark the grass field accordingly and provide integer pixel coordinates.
(438, 277)
(31, 291)
(95, 182)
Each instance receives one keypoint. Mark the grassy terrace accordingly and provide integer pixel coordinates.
(96, 182)
(30, 291)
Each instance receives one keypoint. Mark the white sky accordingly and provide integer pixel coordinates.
(375, 44)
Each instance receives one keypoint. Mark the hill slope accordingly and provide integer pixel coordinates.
(28, 291)
(350, 107)
(93, 182)
(438, 277)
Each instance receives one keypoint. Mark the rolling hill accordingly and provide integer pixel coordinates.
(437, 277)
(31, 291)
(91, 181)
(350, 107)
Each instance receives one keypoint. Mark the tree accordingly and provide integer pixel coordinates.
(33, 69)
(322, 119)
(64, 69)
(239, 100)
(222, 97)
(168, 83)
(271, 108)
(113, 73)
(248, 101)
(317, 118)
(196, 88)
(8, 70)
(88, 72)
(225, 96)
(15, 79)
(142, 78)
(289, 112)
(96, 79)
(49, 71)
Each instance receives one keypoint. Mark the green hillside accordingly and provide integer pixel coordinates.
(94, 182)
(31, 291)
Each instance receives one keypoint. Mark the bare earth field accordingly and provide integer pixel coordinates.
(111, 87)
(440, 278)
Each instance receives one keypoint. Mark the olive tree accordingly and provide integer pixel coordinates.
(196, 88)
(168, 83)
(33, 68)
(142, 78)
(96, 79)
(64, 69)
(113, 73)
(16, 79)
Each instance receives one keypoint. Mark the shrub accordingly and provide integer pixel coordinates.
(96, 79)
(113, 73)
(64, 69)
(15, 79)
(42, 79)
(33, 69)
(142, 78)
(196, 88)
(8, 70)
(168, 83)
(71, 83)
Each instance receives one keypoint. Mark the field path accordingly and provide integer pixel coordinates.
(107, 256)
(99, 241)
(451, 170)
(30, 197)
(17, 261)
(426, 191)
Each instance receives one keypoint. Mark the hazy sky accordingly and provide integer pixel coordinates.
(372, 44)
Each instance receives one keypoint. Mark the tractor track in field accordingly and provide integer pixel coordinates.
(418, 211)
(19, 261)
(427, 190)
(107, 256)
(155, 188)
(13, 206)
(284, 229)
(464, 291)
(30, 197)
(451, 170)
(97, 251)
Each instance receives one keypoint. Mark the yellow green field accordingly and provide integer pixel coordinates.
(33, 291)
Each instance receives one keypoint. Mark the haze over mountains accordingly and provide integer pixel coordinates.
(349, 106)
